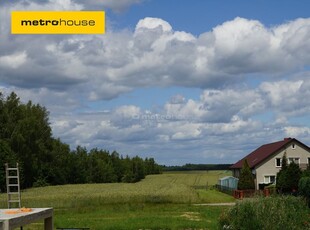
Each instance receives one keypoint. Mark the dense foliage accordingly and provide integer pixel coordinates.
(280, 212)
(288, 177)
(246, 179)
(26, 137)
(304, 184)
(304, 188)
(306, 173)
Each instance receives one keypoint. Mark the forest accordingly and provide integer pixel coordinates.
(26, 137)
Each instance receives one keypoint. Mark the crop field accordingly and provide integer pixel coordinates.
(158, 202)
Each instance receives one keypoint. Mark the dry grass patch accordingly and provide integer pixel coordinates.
(194, 216)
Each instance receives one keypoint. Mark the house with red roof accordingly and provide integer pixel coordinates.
(266, 161)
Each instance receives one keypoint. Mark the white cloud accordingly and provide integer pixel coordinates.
(218, 106)
(247, 46)
(281, 92)
(132, 130)
(153, 23)
(14, 60)
(177, 99)
(295, 131)
(236, 125)
(220, 121)
(240, 35)
(293, 39)
(67, 73)
(288, 98)
(223, 104)
(104, 67)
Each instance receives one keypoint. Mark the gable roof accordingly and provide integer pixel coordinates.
(263, 152)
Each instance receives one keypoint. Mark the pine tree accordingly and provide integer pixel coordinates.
(246, 180)
(284, 162)
(288, 177)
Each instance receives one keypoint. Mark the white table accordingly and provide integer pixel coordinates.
(11, 221)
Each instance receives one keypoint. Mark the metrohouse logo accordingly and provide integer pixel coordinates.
(58, 22)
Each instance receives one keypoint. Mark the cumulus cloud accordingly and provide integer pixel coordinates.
(184, 124)
(219, 106)
(14, 60)
(69, 73)
(180, 129)
(288, 98)
(297, 131)
(104, 67)
(153, 23)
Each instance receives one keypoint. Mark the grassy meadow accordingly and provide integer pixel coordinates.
(158, 202)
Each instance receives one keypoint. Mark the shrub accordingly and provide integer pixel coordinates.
(281, 212)
(41, 182)
(288, 178)
(304, 188)
(246, 180)
(306, 173)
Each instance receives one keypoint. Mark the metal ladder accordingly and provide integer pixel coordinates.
(12, 186)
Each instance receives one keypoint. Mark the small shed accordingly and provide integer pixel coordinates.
(228, 182)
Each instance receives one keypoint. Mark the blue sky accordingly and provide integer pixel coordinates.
(181, 81)
(199, 16)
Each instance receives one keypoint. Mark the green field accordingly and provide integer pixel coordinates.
(158, 202)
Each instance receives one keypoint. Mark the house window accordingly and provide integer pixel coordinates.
(309, 161)
(293, 146)
(278, 162)
(269, 179)
(293, 159)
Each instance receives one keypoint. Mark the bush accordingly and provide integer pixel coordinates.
(282, 212)
(306, 173)
(246, 180)
(304, 188)
(288, 178)
(41, 182)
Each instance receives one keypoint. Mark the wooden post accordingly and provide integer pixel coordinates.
(48, 223)
(241, 195)
(4, 226)
(266, 192)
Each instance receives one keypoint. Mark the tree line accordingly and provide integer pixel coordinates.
(26, 138)
(197, 167)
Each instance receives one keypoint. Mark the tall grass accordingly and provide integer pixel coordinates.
(277, 213)
(165, 188)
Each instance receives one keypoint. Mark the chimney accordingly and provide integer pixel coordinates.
(287, 138)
